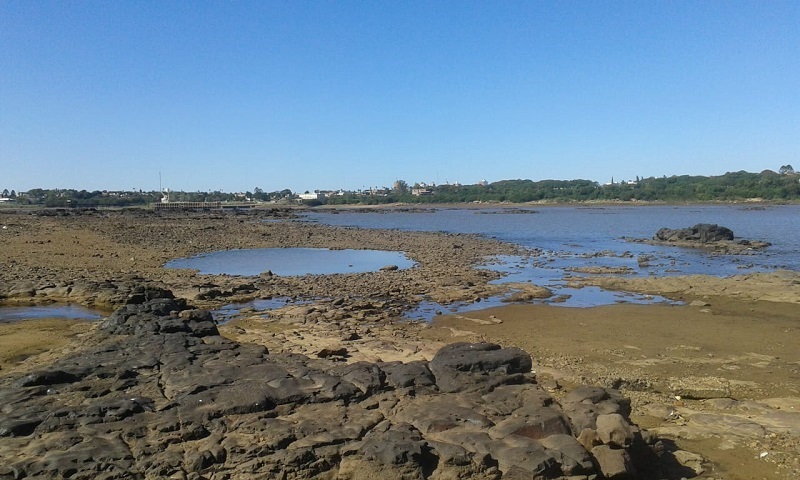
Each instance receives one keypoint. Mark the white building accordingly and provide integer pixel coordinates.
(311, 196)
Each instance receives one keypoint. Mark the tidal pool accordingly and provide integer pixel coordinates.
(291, 261)
(260, 306)
(16, 313)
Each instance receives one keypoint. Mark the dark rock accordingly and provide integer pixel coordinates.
(614, 430)
(614, 463)
(412, 374)
(46, 377)
(142, 294)
(468, 366)
(702, 233)
(571, 455)
(546, 421)
(525, 458)
(18, 427)
(160, 394)
(369, 378)
(332, 352)
(395, 445)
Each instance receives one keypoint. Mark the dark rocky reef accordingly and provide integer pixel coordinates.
(158, 393)
(702, 233)
(707, 236)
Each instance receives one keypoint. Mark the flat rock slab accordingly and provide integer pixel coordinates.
(160, 394)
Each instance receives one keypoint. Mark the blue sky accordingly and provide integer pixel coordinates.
(338, 94)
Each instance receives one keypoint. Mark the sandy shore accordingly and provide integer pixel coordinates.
(705, 355)
(720, 377)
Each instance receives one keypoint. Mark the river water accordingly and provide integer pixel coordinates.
(565, 233)
(570, 237)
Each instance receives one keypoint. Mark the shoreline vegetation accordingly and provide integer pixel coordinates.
(767, 186)
(717, 379)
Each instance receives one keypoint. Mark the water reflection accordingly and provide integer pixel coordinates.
(17, 313)
(291, 261)
(259, 306)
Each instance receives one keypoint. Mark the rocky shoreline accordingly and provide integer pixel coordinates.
(345, 328)
(96, 258)
(160, 394)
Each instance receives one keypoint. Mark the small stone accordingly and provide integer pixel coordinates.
(332, 352)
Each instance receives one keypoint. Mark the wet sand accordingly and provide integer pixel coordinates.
(31, 342)
(706, 355)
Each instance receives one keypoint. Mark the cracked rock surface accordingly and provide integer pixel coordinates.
(158, 393)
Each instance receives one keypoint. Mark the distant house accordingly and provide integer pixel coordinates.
(382, 192)
(311, 196)
(5, 200)
(421, 191)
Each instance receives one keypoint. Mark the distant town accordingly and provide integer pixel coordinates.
(768, 185)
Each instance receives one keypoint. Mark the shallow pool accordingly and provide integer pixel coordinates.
(16, 313)
(291, 261)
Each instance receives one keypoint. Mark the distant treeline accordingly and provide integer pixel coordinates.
(733, 186)
(83, 198)
(767, 185)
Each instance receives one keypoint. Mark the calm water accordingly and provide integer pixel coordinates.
(16, 313)
(569, 236)
(261, 305)
(291, 261)
(575, 237)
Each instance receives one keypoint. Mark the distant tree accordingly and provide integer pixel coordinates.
(13, 194)
(786, 170)
(5, 193)
(400, 187)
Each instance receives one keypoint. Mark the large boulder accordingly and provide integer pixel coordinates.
(469, 366)
(701, 233)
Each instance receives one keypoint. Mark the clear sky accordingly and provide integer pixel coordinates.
(351, 94)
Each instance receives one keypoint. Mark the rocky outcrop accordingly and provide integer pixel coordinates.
(160, 394)
(707, 236)
(702, 232)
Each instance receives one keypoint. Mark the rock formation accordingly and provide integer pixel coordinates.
(158, 393)
(708, 236)
(702, 232)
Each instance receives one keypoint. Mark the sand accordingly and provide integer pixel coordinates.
(704, 354)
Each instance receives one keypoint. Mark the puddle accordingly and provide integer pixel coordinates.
(17, 313)
(426, 310)
(259, 307)
(291, 261)
(563, 297)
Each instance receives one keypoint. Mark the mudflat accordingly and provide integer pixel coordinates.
(719, 376)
